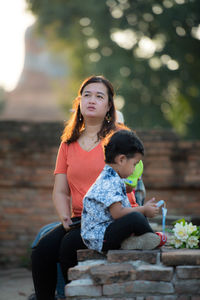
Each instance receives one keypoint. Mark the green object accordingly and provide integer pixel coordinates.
(133, 179)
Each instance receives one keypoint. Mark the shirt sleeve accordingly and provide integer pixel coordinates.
(61, 161)
(114, 192)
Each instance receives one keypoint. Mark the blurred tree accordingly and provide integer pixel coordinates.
(148, 49)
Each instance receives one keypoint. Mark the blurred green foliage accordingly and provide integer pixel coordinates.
(149, 50)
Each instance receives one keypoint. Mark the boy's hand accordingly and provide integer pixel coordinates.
(150, 208)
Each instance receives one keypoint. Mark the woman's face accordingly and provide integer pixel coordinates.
(94, 101)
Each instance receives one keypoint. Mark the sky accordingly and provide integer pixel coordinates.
(14, 19)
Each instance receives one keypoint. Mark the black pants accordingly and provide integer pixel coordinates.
(61, 246)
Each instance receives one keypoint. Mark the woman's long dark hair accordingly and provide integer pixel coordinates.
(75, 124)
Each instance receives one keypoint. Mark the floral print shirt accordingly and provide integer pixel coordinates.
(107, 189)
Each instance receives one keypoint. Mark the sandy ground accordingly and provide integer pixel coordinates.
(15, 284)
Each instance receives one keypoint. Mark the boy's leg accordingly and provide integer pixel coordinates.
(44, 263)
(68, 250)
(133, 223)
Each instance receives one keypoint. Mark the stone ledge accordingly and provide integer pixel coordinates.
(168, 256)
(175, 257)
(149, 256)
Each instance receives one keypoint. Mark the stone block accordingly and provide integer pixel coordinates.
(154, 273)
(162, 297)
(82, 270)
(78, 272)
(188, 272)
(108, 298)
(149, 256)
(85, 254)
(187, 287)
(138, 287)
(180, 257)
(83, 288)
(183, 297)
(112, 273)
(118, 289)
(153, 287)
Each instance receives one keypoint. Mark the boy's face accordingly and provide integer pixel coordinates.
(127, 165)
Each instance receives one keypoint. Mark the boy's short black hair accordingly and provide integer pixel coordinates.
(122, 142)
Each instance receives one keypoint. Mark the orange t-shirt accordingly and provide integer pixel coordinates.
(82, 169)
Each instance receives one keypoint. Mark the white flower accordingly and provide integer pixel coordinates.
(192, 241)
(186, 235)
(177, 243)
(180, 231)
(190, 227)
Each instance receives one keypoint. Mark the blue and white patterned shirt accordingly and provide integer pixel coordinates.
(107, 189)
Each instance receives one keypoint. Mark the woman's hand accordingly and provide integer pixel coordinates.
(66, 221)
(150, 208)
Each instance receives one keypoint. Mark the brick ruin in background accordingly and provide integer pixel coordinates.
(27, 158)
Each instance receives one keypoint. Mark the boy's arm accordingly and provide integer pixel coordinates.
(149, 209)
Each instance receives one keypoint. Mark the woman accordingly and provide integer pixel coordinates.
(79, 162)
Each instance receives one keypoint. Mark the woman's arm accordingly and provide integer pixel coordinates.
(149, 209)
(62, 199)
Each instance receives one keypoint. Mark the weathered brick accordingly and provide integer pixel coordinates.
(188, 287)
(154, 273)
(83, 288)
(112, 273)
(78, 272)
(107, 298)
(188, 272)
(181, 257)
(162, 297)
(153, 287)
(141, 287)
(183, 297)
(82, 270)
(133, 255)
(85, 254)
(118, 289)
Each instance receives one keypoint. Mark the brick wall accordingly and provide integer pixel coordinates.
(27, 157)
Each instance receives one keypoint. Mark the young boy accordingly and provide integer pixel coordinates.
(107, 217)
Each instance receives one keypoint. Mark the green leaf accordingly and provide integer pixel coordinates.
(179, 221)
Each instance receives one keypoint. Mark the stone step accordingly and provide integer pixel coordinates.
(164, 274)
(166, 255)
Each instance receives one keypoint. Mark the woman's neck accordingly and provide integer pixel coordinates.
(92, 129)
